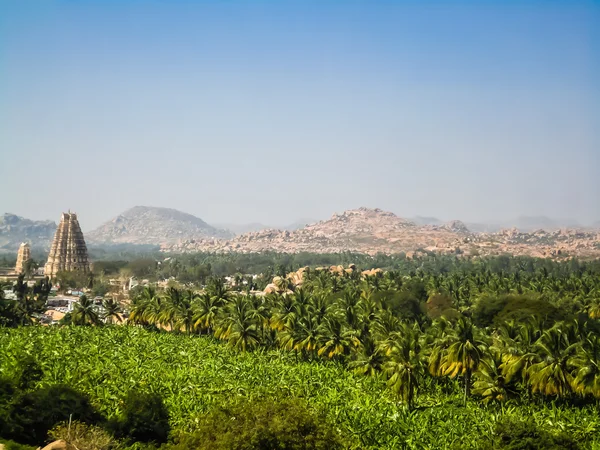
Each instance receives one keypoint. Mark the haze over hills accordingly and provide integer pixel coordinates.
(257, 226)
(15, 229)
(154, 225)
(372, 231)
(364, 230)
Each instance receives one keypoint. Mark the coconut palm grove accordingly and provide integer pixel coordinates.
(432, 352)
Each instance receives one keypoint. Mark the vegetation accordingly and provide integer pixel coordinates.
(449, 353)
(30, 302)
(265, 424)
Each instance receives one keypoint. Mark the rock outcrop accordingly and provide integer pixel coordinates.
(360, 230)
(373, 231)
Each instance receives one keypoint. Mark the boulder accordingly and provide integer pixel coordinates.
(59, 445)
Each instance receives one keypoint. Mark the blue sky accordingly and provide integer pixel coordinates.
(243, 111)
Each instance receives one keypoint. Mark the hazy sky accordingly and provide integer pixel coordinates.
(242, 111)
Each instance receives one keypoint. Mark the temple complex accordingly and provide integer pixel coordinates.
(68, 251)
(23, 255)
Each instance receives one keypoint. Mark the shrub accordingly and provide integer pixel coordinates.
(490, 310)
(12, 445)
(7, 391)
(526, 435)
(265, 425)
(144, 418)
(33, 414)
(29, 372)
(83, 436)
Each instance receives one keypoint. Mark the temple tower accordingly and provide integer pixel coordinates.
(23, 255)
(68, 251)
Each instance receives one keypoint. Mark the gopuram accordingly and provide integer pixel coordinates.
(23, 255)
(68, 251)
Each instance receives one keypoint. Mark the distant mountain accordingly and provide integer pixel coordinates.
(237, 228)
(152, 225)
(300, 223)
(530, 223)
(420, 220)
(15, 229)
(256, 226)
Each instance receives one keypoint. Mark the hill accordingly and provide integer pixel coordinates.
(372, 231)
(363, 230)
(15, 229)
(153, 225)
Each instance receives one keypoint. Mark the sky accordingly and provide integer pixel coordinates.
(271, 111)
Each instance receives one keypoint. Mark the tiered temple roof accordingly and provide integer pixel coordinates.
(68, 251)
(23, 255)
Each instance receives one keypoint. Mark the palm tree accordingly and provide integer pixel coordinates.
(142, 306)
(285, 311)
(587, 366)
(552, 374)
(29, 268)
(519, 350)
(85, 312)
(438, 340)
(206, 311)
(112, 311)
(238, 327)
(490, 383)
(183, 311)
(216, 288)
(463, 354)
(174, 302)
(335, 341)
(348, 304)
(90, 279)
(307, 336)
(404, 365)
(369, 359)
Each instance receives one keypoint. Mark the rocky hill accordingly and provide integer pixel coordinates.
(151, 225)
(360, 230)
(15, 229)
(372, 231)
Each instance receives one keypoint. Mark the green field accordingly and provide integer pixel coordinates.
(195, 374)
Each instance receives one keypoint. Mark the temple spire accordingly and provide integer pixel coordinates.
(68, 251)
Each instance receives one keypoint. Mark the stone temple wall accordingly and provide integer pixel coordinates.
(68, 251)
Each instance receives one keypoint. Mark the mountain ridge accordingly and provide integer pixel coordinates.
(16, 229)
(363, 230)
(372, 231)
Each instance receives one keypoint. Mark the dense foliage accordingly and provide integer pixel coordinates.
(197, 377)
(31, 301)
(443, 353)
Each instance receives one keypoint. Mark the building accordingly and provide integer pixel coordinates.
(23, 255)
(68, 251)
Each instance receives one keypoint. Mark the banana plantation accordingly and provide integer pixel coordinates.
(461, 356)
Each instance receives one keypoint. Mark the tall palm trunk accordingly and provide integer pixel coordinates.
(467, 385)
